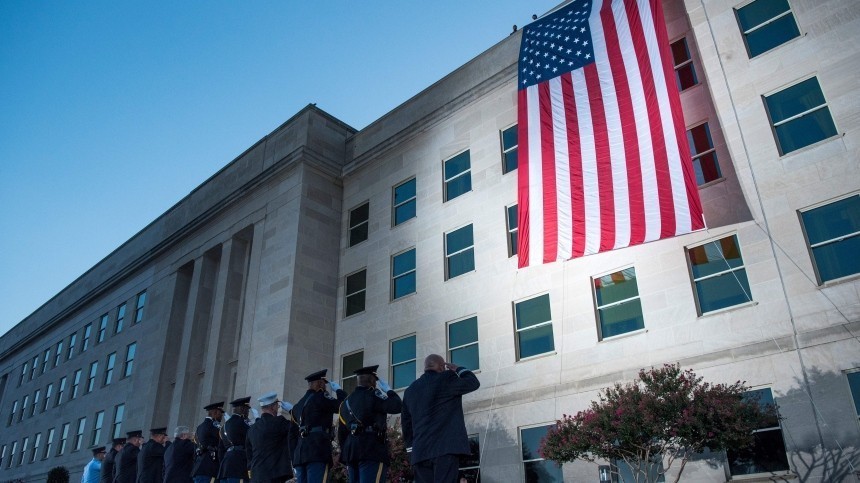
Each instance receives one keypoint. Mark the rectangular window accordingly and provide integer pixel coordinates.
(35, 406)
(85, 340)
(704, 155)
(719, 275)
(799, 116)
(129, 359)
(685, 73)
(533, 327)
(535, 468)
(509, 149)
(405, 201)
(48, 393)
(356, 290)
(403, 363)
(854, 387)
(138, 308)
(91, 380)
(832, 234)
(619, 309)
(767, 454)
(64, 438)
(37, 440)
(25, 369)
(72, 340)
(34, 366)
(12, 413)
(359, 221)
(348, 365)
(403, 274)
(459, 252)
(97, 428)
(58, 354)
(118, 413)
(61, 388)
(111, 362)
(49, 443)
(76, 383)
(79, 435)
(470, 466)
(120, 318)
(23, 452)
(766, 24)
(46, 360)
(24, 404)
(513, 229)
(463, 343)
(12, 454)
(458, 176)
(103, 322)
(2, 455)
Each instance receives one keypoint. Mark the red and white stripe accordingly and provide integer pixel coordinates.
(604, 161)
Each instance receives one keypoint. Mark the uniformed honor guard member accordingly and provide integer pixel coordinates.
(234, 464)
(108, 464)
(179, 457)
(208, 441)
(126, 459)
(313, 416)
(267, 445)
(150, 460)
(363, 425)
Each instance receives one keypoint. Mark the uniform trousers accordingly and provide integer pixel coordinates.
(441, 469)
(367, 472)
(312, 473)
(233, 480)
(205, 479)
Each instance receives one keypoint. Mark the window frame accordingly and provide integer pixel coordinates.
(77, 444)
(64, 439)
(849, 375)
(58, 355)
(34, 365)
(446, 181)
(395, 205)
(839, 239)
(697, 156)
(396, 276)
(110, 364)
(512, 233)
(49, 443)
(118, 416)
(128, 365)
(505, 150)
(139, 306)
(688, 62)
(523, 460)
(23, 454)
(745, 33)
(91, 377)
(76, 383)
(350, 380)
(85, 338)
(351, 226)
(394, 364)
(73, 340)
(476, 342)
(462, 251)
(61, 388)
(598, 307)
(49, 390)
(36, 400)
(98, 421)
(101, 334)
(694, 281)
(778, 427)
(773, 125)
(46, 360)
(120, 317)
(518, 331)
(463, 471)
(37, 440)
(349, 295)
(12, 451)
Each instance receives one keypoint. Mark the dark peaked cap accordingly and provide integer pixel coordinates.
(242, 401)
(135, 434)
(158, 431)
(99, 449)
(367, 370)
(117, 441)
(217, 405)
(316, 376)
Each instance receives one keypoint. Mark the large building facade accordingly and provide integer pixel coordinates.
(326, 246)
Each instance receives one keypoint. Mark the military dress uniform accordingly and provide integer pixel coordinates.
(313, 416)
(206, 459)
(267, 445)
(234, 464)
(109, 463)
(362, 428)
(178, 461)
(150, 460)
(126, 460)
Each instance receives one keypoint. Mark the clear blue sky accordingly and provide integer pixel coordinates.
(111, 112)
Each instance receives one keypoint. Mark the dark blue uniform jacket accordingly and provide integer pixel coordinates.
(362, 425)
(314, 413)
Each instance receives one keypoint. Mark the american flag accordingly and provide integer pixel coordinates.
(603, 155)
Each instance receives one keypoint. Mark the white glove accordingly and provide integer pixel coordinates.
(286, 406)
(334, 386)
(409, 449)
(381, 384)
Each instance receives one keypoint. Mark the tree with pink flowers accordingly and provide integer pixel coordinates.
(666, 416)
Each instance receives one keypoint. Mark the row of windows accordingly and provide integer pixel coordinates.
(31, 453)
(832, 233)
(39, 405)
(61, 352)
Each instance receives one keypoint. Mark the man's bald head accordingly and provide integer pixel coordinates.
(434, 362)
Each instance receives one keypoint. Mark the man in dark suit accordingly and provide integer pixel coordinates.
(108, 464)
(150, 460)
(179, 457)
(267, 445)
(208, 441)
(363, 425)
(126, 460)
(434, 428)
(234, 464)
(313, 414)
